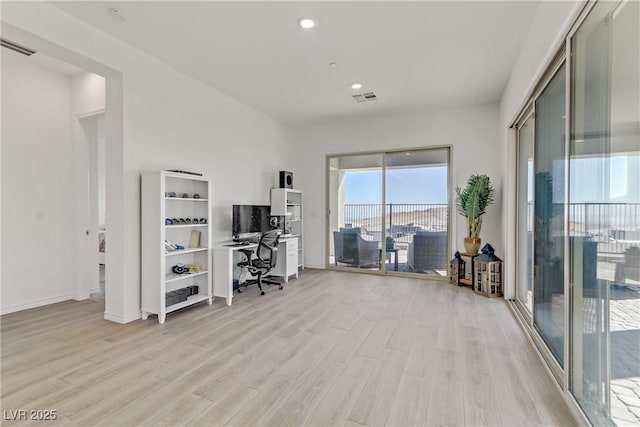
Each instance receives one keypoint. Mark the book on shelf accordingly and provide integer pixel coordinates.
(194, 241)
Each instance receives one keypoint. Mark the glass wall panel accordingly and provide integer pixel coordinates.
(417, 211)
(524, 290)
(549, 179)
(604, 214)
(355, 211)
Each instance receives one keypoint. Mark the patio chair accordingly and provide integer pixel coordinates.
(428, 251)
(350, 248)
(629, 269)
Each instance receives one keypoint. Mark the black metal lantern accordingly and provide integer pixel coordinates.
(488, 273)
(457, 269)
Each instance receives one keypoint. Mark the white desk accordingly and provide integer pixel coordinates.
(226, 259)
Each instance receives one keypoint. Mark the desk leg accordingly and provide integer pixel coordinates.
(223, 274)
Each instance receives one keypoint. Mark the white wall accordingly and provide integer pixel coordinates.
(470, 131)
(169, 121)
(37, 185)
(88, 93)
(545, 36)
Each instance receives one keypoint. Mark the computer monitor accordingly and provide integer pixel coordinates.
(250, 220)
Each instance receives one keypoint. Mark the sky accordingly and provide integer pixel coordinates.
(429, 185)
(419, 185)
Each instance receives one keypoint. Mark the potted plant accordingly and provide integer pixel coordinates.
(472, 203)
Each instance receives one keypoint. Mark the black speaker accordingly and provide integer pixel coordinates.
(286, 179)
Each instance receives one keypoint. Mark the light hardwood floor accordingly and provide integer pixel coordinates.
(333, 348)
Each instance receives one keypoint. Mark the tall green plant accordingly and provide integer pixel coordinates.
(473, 201)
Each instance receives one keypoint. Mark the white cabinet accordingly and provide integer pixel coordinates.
(176, 210)
(287, 263)
(287, 203)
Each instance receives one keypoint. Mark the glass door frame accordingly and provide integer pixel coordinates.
(383, 270)
(327, 227)
(561, 374)
(528, 113)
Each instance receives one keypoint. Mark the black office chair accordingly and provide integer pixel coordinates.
(265, 259)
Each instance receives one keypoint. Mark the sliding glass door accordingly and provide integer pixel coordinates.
(355, 211)
(578, 166)
(417, 211)
(548, 207)
(604, 214)
(389, 212)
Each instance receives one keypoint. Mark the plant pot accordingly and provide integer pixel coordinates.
(472, 245)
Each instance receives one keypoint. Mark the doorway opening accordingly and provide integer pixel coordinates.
(91, 128)
(58, 197)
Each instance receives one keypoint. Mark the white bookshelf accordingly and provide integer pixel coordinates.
(287, 202)
(157, 262)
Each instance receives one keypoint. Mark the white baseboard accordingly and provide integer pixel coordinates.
(319, 267)
(34, 304)
(81, 297)
(117, 318)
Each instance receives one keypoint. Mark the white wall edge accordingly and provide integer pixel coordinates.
(82, 296)
(122, 319)
(35, 304)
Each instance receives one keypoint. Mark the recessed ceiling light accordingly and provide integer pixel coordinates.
(356, 86)
(117, 13)
(333, 64)
(306, 23)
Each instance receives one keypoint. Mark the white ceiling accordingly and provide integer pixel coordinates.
(412, 54)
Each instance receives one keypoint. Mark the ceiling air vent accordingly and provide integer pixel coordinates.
(364, 97)
(358, 97)
(370, 96)
(16, 47)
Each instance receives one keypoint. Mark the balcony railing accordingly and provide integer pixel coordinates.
(402, 220)
(615, 226)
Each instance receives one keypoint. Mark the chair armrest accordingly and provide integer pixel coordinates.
(371, 245)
